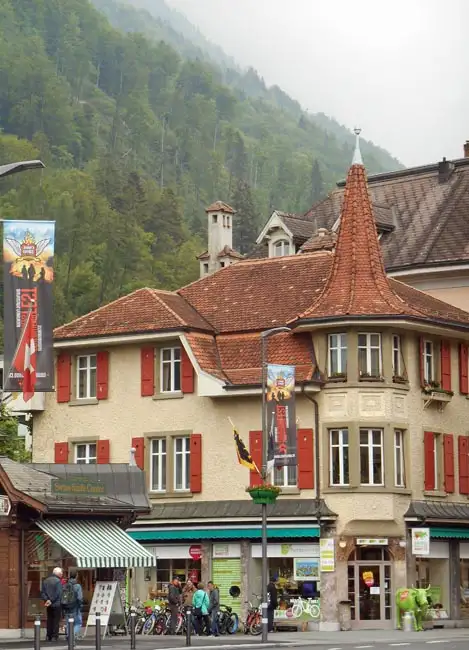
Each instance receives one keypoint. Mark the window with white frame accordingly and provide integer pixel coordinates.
(337, 355)
(436, 460)
(86, 376)
(369, 355)
(285, 476)
(371, 457)
(85, 453)
(281, 248)
(396, 356)
(399, 467)
(182, 467)
(170, 364)
(158, 465)
(338, 457)
(428, 362)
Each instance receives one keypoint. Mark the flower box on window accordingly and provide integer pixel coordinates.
(399, 379)
(337, 376)
(366, 376)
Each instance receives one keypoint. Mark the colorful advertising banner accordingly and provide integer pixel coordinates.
(28, 274)
(281, 418)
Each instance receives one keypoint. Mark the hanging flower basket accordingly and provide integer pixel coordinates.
(265, 493)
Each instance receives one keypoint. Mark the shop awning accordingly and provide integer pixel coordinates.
(222, 533)
(449, 533)
(97, 544)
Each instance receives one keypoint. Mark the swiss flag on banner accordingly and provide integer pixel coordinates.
(25, 357)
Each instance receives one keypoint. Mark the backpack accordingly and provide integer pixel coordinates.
(69, 596)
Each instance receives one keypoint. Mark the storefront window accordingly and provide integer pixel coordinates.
(434, 573)
(464, 568)
(166, 570)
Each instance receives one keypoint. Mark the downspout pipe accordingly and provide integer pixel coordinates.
(316, 454)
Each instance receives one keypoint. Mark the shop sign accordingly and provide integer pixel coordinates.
(226, 550)
(326, 555)
(420, 541)
(372, 541)
(287, 550)
(368, 578)
(195, 551)
(5, 505)
(77, 486)
(305, 569)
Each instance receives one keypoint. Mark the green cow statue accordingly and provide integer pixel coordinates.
(412, 600)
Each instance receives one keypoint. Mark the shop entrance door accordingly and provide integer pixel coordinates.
(370, 593)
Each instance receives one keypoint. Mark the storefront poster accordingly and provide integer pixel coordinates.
(327, 555)
(28, 275)
(305, 569)
(420, 541)
(368, 578)
(281, 417)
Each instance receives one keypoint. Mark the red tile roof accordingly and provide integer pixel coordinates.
(220, 206)
(226, 251)
(144, 310)
(257, 294)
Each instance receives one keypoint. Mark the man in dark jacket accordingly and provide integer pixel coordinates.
(214, 607)
(272, 604)
(174, 601)
(51, 594)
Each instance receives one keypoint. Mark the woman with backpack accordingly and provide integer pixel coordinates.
(200, 604)
(72, 603)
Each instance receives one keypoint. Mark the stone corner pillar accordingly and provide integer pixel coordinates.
(329, 621)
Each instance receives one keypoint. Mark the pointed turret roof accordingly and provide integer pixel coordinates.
(357, 284)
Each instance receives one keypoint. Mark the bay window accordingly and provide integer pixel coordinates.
(369, 355)
(399, 467)
(339, 457)
(337, 353)
(371, 457)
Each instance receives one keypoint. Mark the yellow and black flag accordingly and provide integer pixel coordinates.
(244, 457)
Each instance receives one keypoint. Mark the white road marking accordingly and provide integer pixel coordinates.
(364, 646)
(399, 644)
(439, 641)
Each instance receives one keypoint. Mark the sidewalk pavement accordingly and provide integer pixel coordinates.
(276, 640)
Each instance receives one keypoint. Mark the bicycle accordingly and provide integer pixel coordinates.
(228, 621)
(301, 606)
(253, 623)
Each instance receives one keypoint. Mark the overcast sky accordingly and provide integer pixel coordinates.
(398, 70)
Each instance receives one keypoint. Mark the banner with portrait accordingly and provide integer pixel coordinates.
(28, 276)
(281, 416)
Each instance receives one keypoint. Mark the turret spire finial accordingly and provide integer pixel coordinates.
(357, 156)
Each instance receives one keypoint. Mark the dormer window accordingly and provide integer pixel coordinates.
(281, 248)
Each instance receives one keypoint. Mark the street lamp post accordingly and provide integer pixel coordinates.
(265, 442)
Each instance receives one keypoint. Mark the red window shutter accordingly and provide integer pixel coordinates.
(463, 461)
(429, 450)
(147, 371)
(61, 453)
(103, 452)
(196, 462)
(463, 370)
(445, 352)
(64, 377)
(422, 363)
(255, 448)
(187, 373)
(305, 459)
(102, 375)
(139, 445)
(448, 447)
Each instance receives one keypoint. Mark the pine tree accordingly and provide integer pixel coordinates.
(246, 218)
(317, 183)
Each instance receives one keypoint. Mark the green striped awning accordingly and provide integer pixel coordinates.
(97, 544)
(450, 533)
(222, 533)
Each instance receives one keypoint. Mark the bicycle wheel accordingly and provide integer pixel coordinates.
(149, 625)
(233, 624)
(297, 610)
(256, 626)
(160, 624)
(314, 610)
(139, 625)
(180, 623)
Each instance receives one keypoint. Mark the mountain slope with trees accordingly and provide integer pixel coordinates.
(137, 141)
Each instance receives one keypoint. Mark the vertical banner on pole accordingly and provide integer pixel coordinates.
(281, 417)
(28, 274)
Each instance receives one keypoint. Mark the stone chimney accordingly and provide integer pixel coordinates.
(466, 149)
(220, 239)
(445, 169)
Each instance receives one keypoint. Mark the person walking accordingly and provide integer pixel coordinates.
(51, 594)
(272, 604)
(200, 604)
(72, 603)
(214, 607)
(174, 601)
